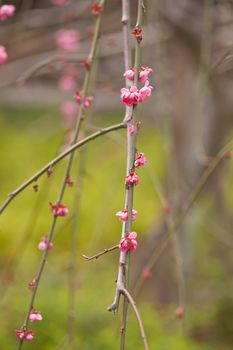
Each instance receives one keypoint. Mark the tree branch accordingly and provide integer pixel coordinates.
(96, 256)
(51, 164)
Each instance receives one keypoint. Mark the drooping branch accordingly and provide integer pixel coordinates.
(126, 293)
(79, 120)
(56, 160)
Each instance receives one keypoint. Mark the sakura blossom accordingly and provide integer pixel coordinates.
(69, 111)
(130, 96)
(144, 74)
(128, 242)
(123, 215)
(96, 9)
(35, 316)
(23, 334)
(67, 83)
(67, 40)
(59, 209)
(140, 160)
(60, 3)
(3, 55)
(44, 243)
(6, 11)
(145, 91)
(131, 179)
(129, 73)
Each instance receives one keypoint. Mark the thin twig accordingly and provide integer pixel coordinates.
(53, 162)
(96, 256)
(126, 293)
(79, 120)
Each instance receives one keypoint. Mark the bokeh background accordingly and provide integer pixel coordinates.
(184, 124)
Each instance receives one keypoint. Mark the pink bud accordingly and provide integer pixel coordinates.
(59, 209)
(140, 160)
(131, 179)
(43, 244)
(129, 73)
(144, 74)
(145, 91)
(35, 316)
(123, 215)
(130, 96)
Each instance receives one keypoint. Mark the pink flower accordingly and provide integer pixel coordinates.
(129, 73)
(128, 242)
(140, 160)
(35, 316)
(144, 73)
(6, 11)
(67, 83)
(78, 97)
(23, 334)
(145, 91)
(67, 40)
(44, 243)
(59, 209)
(69, 111)
(59, 3)
(87, 102)
(130, 96)
(3, 55)
(131, 179)
(123, 215)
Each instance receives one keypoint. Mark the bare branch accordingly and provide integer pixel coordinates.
(96, 256)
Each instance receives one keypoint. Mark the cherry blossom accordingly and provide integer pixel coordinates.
(129, 73)
(123, 215)
(23, 334)
(145, 91)
(59, 209)
(131, 179)
(130, 96)
(44, 243)
(140, 160)
(3, 55)
(6, 11)
(67, 40)
(35, 316)
(144, 74)
(128, 242)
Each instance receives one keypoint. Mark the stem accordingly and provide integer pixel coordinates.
(138, 317)
(80, 118)
(53, 162)
(123, 269)
(96, 256)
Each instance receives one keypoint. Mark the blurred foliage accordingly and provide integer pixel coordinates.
(29, 139)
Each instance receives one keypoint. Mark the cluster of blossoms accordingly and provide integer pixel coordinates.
(6, 11)
(24, 334)
(133, 95)
(128, 242)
